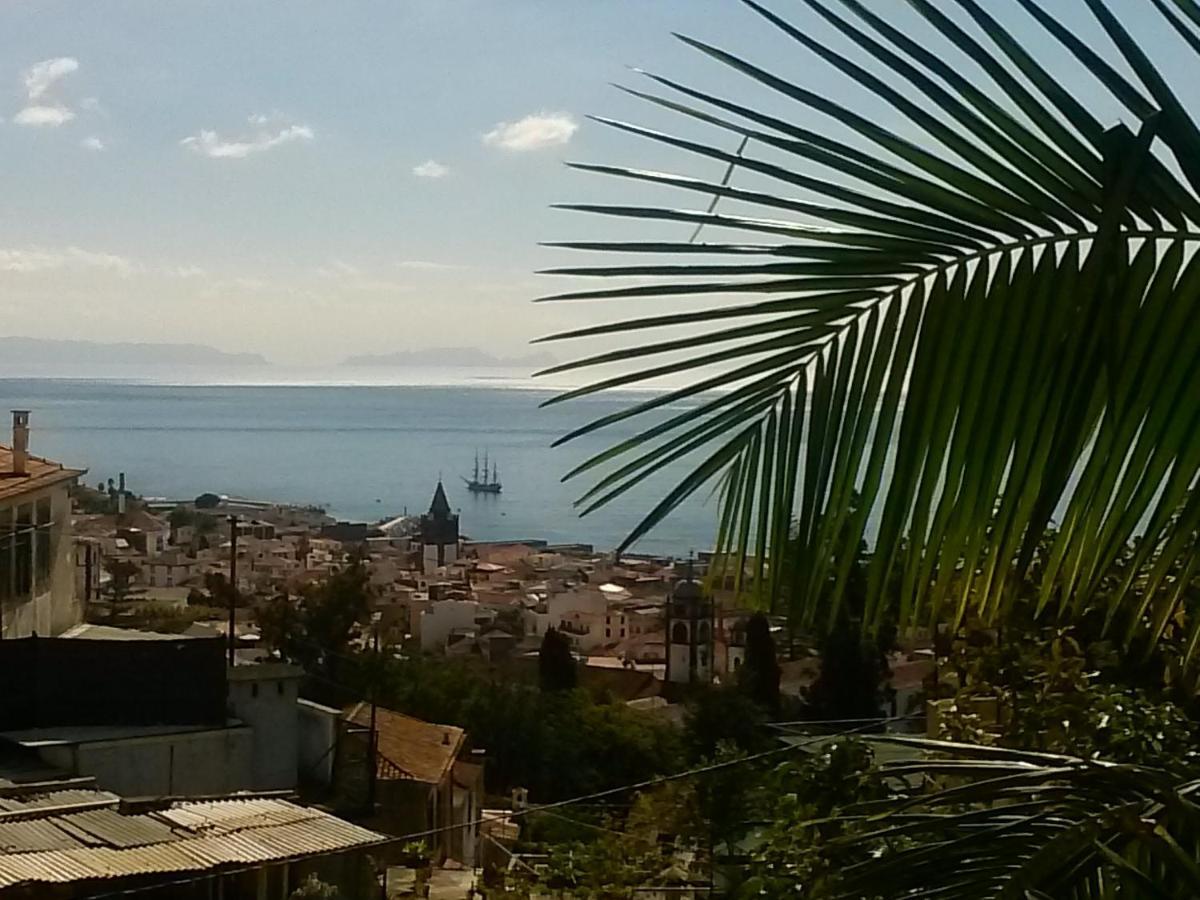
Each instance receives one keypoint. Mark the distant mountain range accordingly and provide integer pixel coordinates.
(23, 350)
(453, 357)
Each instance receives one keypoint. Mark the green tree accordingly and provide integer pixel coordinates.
(759, 675)
(181, 517)
(962, 300)
(556, 664)
(720, 717)
(317, 628)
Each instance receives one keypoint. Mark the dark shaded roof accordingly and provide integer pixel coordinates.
(440, 507)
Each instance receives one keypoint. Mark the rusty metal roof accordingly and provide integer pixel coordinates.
(72, 845)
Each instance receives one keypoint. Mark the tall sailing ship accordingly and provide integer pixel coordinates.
(487, 485)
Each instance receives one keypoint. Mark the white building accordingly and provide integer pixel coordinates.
(434, 625)
(169, 570)
(37, 569)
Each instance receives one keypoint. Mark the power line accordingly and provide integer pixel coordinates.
(648, 783)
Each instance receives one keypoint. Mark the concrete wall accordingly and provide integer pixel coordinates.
(264, 697)
(317, 742)
(195, 763)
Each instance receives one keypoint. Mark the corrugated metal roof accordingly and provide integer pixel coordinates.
(187, 837)
(43, 799)
(110, 827)
(23, 837)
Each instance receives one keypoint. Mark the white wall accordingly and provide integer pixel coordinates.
(264, 697)
(430, 556)
(442, 617)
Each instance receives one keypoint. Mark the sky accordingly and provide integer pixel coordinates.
(310, 179)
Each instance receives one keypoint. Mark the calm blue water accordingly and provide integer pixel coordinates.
(362, 451)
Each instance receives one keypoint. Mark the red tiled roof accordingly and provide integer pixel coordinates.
(42, 473)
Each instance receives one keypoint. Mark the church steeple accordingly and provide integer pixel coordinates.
(440, 507)
(439, 532)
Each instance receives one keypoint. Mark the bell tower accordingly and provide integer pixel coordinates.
(439, 533)
(689, 633)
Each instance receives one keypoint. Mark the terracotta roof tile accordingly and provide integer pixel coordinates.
(422, 750)
(42, 473)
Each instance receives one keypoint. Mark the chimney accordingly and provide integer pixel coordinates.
(121, 495)
(20, 442)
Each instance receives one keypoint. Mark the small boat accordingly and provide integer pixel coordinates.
(487, 485)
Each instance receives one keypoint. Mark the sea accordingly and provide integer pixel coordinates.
(364, 444)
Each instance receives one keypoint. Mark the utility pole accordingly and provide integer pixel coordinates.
(372, 755)
(233, 586)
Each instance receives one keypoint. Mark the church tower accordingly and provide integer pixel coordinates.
(689, 633)
(439, 533)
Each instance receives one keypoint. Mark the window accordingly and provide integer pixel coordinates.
(44, 550)
(22, 545)
(622, 632)
(254, 689)
(279, 688)
(608, 632)
(679, 633)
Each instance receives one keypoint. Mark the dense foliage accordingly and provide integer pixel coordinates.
(558, 744)
(316, 629)
(759, 675)
(556, 664)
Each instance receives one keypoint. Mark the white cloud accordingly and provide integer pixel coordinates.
(42, 76)
(37, 259)
(533, 132)
(431, 168)
(424, 264)
(42, 109)
(52, 116)
(338, 269)
(269, 133)
(92, 143)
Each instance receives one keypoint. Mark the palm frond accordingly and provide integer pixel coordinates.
(979, 334)
(1009, 823)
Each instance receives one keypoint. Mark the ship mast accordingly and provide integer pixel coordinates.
(495, 475)
(476, 478)
(485, 465)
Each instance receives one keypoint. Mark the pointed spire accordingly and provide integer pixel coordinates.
(440, 507)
